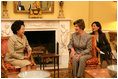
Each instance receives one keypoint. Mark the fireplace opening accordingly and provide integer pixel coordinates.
(42, 39)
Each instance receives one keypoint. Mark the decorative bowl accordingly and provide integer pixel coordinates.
(34, 74)
(112, 70)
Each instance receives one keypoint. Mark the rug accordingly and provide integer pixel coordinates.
(62, 74)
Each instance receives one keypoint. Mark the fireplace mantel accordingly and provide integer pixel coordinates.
(60, 26)
(66, 19)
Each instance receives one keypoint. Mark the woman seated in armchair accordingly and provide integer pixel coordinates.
(103, 46)
(16, 45)
(80, 48)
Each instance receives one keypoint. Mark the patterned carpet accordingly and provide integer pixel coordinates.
(64, 73)
(67, 73)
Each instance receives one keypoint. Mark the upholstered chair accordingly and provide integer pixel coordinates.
(92, 63)
(6, 68)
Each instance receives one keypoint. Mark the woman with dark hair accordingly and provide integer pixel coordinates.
(103, 46)
(16, 45)
(80, 48)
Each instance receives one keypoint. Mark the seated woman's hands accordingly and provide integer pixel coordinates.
(26, 57)
(78, 57)
(29, 54)
(72, 52)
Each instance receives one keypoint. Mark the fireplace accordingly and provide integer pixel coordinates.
(42, 38)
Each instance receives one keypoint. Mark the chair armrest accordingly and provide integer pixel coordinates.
(99, 60)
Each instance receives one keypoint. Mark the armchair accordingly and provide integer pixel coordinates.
(94, 62)
(6, 68)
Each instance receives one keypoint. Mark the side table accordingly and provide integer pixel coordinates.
(44, 56)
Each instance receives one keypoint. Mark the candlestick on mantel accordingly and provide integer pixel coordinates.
(61, 12)
(5, 11)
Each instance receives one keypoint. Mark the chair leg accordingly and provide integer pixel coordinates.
(4, 75)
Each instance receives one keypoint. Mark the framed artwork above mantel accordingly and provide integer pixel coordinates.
(25, 6)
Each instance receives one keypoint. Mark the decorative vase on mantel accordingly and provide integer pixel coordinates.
(61, 12)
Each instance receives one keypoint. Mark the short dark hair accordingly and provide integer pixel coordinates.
(80, 23)
(16, 26)
(98, 25)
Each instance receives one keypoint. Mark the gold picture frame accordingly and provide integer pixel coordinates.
(50, 3)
